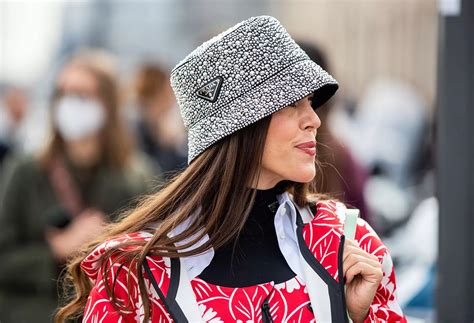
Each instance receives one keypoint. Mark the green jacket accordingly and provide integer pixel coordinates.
(28, 205)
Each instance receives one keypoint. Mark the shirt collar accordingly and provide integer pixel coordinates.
(285, 225)
(197, 263)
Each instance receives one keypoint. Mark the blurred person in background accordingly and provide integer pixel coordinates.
(340, 176)
(392, 125)
(13, 109)
(55, 202)
(159, 128)
(395, 142)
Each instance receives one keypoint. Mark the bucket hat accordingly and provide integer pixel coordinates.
(242, 75)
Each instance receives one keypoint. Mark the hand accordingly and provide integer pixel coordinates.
(363, 273)
(83, 228)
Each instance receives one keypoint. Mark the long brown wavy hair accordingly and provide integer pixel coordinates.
(217, 182)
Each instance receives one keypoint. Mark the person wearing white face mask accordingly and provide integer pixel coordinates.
(79, 121)
(57, 201)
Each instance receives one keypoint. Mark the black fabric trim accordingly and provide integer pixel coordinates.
(336, 294)
(342, 279)
(157, 288)
(173, 291)
(170, 300)
(338, 315)
(309, 257)
(174, 279)
(266, 315)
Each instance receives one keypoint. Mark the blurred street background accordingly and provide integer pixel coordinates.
(396, 140)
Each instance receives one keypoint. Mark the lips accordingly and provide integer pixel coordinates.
(309, 144)
(308, 147)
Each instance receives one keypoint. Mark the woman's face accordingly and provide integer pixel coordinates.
(75, 81)
(290, 146)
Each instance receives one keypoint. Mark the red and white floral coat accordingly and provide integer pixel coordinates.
(290, 301)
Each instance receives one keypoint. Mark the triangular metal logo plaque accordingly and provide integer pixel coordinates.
(210, 91)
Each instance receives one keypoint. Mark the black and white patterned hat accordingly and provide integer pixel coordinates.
(242, 75)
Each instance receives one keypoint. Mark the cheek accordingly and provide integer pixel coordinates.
(274, 157)
(287, 162)
(278, 142)
(282, 158)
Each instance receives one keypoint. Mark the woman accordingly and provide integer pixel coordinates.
(240, 235)
(55, 202)
(159, 130)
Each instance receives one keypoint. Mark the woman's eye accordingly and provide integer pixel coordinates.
(293, 104)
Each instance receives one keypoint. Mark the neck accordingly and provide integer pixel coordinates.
(240, 262)
(277, 187)
(267, 180)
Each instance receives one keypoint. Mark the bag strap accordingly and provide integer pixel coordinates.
(350, 225)
(350, 222)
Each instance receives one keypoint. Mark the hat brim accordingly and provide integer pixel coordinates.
(282, 89)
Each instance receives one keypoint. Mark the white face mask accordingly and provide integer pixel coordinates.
(78, 117)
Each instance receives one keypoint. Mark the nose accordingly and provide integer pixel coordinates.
(310, 120)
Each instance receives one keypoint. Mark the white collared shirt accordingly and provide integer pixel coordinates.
(285, 227)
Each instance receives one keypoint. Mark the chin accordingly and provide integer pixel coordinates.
(306, 179)
(303, 175)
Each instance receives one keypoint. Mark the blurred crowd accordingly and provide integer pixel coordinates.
(98, 162)
(113, 140)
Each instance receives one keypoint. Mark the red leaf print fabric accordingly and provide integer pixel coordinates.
(99, 307)
(288, 301)
(322, 235)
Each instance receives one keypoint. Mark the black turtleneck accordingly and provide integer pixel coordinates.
(256, 257)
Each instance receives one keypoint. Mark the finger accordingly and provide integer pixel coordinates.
(368, 273)
(353, 248)
(356, 250)
(351, 242)
(362, 254)
(349, 249)
(353, 259)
